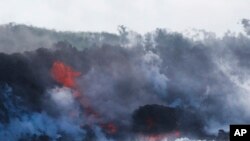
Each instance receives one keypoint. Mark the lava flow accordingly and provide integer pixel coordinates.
(65, 75)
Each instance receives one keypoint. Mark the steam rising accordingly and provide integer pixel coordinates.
(122, 87)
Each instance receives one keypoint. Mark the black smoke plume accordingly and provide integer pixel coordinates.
(129, 87)
(154, 119)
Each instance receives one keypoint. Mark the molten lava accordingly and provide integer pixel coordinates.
(64, 74)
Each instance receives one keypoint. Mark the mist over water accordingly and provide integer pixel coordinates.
(161, 86)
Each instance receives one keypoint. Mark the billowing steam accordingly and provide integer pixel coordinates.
(105, 87)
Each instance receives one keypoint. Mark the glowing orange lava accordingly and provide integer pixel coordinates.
(64, 74)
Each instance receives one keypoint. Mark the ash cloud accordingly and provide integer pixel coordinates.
(129, 81)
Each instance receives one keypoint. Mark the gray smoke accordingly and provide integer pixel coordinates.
(29, 126)
(206, 81)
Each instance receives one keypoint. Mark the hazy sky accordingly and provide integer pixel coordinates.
(139, 15)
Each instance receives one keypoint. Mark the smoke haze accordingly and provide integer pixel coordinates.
(64, 86)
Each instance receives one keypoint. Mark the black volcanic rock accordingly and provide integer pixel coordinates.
(154, 119)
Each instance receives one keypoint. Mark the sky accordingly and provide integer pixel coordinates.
(141, 16)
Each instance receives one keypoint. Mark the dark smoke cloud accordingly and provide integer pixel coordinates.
(162, 80)
(154, 119)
